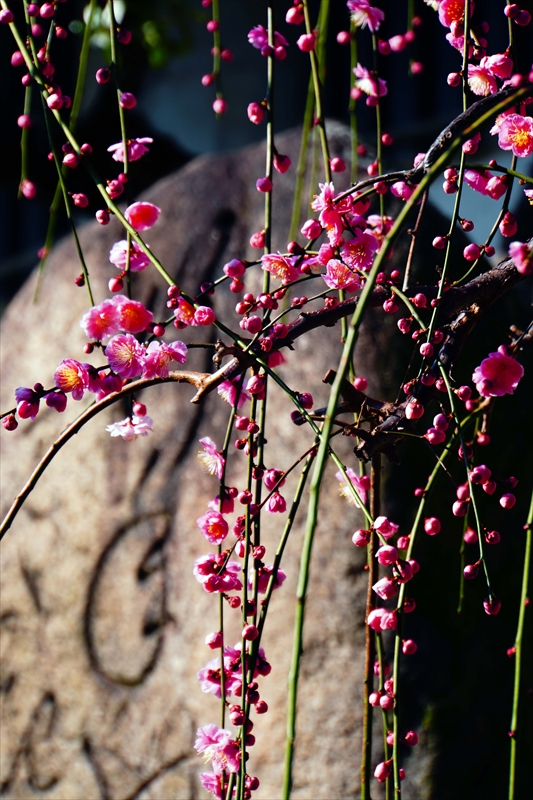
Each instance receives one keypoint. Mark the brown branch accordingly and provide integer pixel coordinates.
(197, 379)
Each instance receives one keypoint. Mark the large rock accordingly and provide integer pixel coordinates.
(103, 623)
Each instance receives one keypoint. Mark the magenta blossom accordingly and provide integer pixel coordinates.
(367, 83)
(364, 14)
(209, 676)
(264, 574)
(516, 134)
(101, 321)
(359, 252)
(385, 588)
(209, 572)
(213, 526)
(142, 216)
(481, 80)
(184, 313)
(159, 355)
(280, 267)
(522, 257)
(500, 65)
(330, 212)
(136, 149)
(385, 527)
(339, 276)
(217, 744)
(125, 355)
(211, 459)
(360, 484)
(498, 374)
(134, 316)
(71, 376)
(27, 402)
(258, 38)
(212, 783)
(230, 392)
(131, 427)
(452, 11)
(118, 256)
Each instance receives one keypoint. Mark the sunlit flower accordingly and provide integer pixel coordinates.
(217, 745)
(118, 256)
(101, 320)
(230, 392)
(481, 80)
(280, 267)
(134, 316)
(213, 526)
(359, 251)
(367, 83)
(136, 149)
(360, 484)
(498, 374)
(125, 355)
(71, 376)
(142, 216)
(158, 357)
(339, 276)
(131, 427)
(516, 134)
(211, 458)
(364, 14)
(184, 313)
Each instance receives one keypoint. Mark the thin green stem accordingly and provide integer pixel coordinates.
(320, 121)
(513, 788)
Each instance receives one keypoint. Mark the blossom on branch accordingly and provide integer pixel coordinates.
(498, 374)
(363, 14)
(516, 134)
(131, 427)
(136, 148)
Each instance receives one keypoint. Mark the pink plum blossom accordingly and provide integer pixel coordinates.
(500, 65)
(101, 320)
(213, 461)
(131, 427)
(203, 315)
(360, 484)
(208, 571)
(363, 14)
(516, 134)
(232, 394)
(280, 267)
(27, 402)
(385, 527)
(142, 216)
(213, 526)
(358, 252)
(452, 11)
(522, 257)
(264, 574)
(159, 355)
(184, 313)
(330, 212)
(258, 38)
(71, 376)
(339, 276)
(57, 400)
(276, 503)
(498, 374)
(118, 256)
(385, 588)
(209, 676)
(125, 355)
(136, 149)
(367, 83)
(481, 80)
(212, 783)
(134, 316)
(218, 745)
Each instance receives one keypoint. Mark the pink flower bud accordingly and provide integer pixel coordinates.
(361, 538)
(507, 500)
(307, 42)
(383, 771)
(24, 121)
(508, 225)
(263, 184)
(220, 106)
(295, 15)
(386, 702)
(439, 242)
(410, 739)
(432, 526)
(311, 229)
(409, 647)
(337, 165)
(414, 409)
(256, 112)
(459, 508)
(492, 537)
(386, 555)
(80, 200)
(492, 605)
(214, 640)
(360, 383)
(281, 163)
(47, 10)
(127, 100)
(472, 252)
(102, 217)
(373, 699)
(6, 16)
(453, 79)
